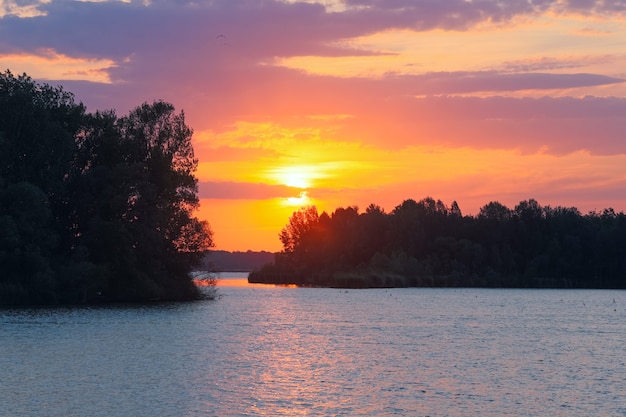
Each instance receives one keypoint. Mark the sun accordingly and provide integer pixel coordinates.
(298, 182)
(301, 177)
(297, 176)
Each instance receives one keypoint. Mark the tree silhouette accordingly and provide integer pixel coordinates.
(94, 207)
(426, 243)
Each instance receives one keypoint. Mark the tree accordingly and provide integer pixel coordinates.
(145, 164)
(301, 222)
(37, 128)
(407, 227)
(27, 242)
(94, 207)
(529, 211)
(495, 211)
(38, 123)
(455, 210)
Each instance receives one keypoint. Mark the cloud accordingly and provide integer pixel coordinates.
(21, 9)
(172, 50)
(396, 111)
(554, 63)
(590, 7)
(556, 125)
(461, 14)
(185, 46)
(56, 66)
(401, 111)
(118, 30)
(493, 81)
(266, 29)
(228, 190)
(589, 31)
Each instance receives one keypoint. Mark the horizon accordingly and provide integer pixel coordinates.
(349, 103)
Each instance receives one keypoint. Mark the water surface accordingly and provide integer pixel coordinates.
(270, 351)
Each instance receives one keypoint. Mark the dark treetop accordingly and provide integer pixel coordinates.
(94, 207)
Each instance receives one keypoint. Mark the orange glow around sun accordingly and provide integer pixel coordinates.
(387, 178)
(316, 164)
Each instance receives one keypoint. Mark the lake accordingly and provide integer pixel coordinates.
(283, 351)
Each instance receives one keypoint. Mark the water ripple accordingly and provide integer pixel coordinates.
(322, 352)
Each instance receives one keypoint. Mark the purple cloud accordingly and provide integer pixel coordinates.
(261, 29)
(228, 190)
(495, 82)
(213, 59)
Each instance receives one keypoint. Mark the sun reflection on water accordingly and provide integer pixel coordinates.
(240, 279)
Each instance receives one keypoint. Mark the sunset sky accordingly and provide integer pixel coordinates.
(339, 103)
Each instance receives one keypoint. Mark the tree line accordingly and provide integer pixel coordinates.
(94, 207)
(429, 244)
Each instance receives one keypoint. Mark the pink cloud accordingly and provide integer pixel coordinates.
(213, 59)
(561, 125)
